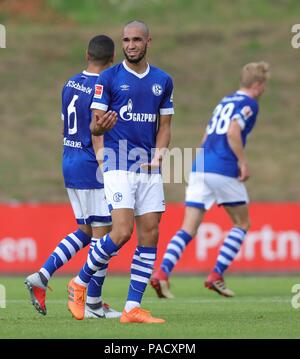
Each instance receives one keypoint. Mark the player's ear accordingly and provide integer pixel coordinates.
(149, 41)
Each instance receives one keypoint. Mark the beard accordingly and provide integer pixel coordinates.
(138, 59)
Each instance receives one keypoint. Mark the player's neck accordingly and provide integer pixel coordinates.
(95, 69)
(139, 68)
(247, 91)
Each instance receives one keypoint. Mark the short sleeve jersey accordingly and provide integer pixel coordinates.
(139, 100)
(218, 155)
(79, 161)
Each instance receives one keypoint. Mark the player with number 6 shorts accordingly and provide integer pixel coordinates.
(218, 175)
(83, 182)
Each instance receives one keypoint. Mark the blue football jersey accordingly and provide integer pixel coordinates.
(218, 155)
(79, 160)
(138, 99)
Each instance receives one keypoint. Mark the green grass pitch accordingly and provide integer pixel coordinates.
(261, 309)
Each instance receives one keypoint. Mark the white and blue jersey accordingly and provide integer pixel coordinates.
(79, 160)
(218, 155)
(139, 100)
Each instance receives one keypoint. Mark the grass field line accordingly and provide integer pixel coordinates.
(249, 300)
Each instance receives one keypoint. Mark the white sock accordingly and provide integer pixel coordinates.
(77, 280)
(130, 305)
(93, 300)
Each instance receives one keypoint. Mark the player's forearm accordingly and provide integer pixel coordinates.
(97, 117)
(163, 139)
(236, 145)
(96, 130)
(97, 142)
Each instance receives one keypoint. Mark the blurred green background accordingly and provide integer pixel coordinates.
(202, 44)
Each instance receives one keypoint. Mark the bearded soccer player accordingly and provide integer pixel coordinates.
(219, 179)
(141, 95)
(85, 192)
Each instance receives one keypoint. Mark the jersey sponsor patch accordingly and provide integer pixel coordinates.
(98, 91)
(246, 112)
(126, 114)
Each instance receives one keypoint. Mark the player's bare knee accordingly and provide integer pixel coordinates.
(122, 234)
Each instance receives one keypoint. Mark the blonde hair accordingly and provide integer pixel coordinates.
(254, 72)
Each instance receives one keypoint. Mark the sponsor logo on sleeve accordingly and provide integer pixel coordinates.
(98, 91)
(246, 112)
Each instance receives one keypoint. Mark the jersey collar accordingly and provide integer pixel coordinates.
(242, 93)
(140, 76)
(89, 73)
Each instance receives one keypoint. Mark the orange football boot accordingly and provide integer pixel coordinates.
(139, 315)
(76, 299)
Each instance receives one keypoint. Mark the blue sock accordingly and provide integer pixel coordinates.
(141, 269)
(174, 250)
(229, 249)
(104, 249)
(94, 291)
(66, 249)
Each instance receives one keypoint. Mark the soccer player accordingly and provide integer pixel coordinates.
(85, 192)
(219, 179)
(142, 96)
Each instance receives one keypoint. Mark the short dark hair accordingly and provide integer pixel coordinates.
(101, 49)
